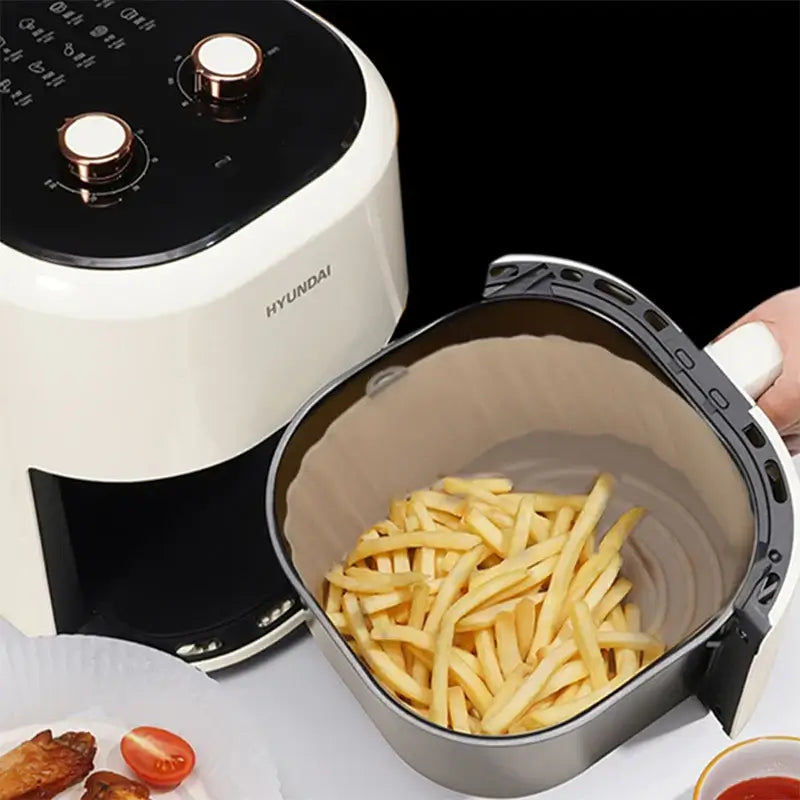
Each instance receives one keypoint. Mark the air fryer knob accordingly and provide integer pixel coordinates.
(97, 146)
(227, 66)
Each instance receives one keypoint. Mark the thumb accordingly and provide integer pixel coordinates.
(781, 314)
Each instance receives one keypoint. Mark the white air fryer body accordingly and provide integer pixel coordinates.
(135, 374)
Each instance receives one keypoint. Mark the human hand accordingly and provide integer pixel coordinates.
(781, 402)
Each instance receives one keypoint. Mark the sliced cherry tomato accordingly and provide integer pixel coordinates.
(158, 757)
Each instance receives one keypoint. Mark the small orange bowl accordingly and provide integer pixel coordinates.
(766, 756)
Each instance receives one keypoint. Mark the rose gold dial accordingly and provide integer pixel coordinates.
(226, 66)
(98, 146)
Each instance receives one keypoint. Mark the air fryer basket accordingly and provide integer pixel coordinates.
(549, 382)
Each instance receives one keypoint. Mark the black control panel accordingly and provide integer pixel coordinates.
(131, 136)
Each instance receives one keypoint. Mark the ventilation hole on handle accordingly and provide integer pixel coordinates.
(655, 320)
(767, 592)
(504, 270)
(754, 435)
(776, 481)
(617, 292)
(569, 274)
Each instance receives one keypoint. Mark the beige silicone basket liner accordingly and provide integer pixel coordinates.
(550, 413)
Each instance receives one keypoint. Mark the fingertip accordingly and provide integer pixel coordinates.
(778, 406)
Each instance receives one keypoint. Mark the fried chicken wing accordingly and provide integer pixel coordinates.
(44, 766)
(110, 786)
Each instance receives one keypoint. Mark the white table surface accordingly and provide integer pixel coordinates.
(326, 747)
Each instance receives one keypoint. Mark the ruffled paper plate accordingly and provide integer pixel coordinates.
(108, 687)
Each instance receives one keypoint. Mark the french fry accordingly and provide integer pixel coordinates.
(487, 656)
(397, 514)
(615, 595)
(457, 705)
(468, 486)
(597, 563)
(486, 616)
(509, 688)
(442, 654)
(383, 563)
(534, 579)
(525, 621)
(524, 587)
(391, 527)
(333, 602)
(452, 585)
(621, 529)
(526, 559)
(393, 649)
(598, 589)
(339, 620)
(483, 593)
(603, 583)
(626, 659)
(505, 632)
(428, 554)
(494, 514)
(588, 517)
(386, 632)
(522, 527)
(481, 525)
(400, 561)
(526, 694)
(371, 582)
(470, 660)
(375, 603)
(562, 523)
(540, 528)
(440, 501)
(563, 711)
(588, 549)
(586, 638)
(571, 674)
(402, 541)
(396, 678)
(416, 618)
(465, 677)
(654, 652)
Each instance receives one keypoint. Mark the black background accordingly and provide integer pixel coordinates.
(656, 140)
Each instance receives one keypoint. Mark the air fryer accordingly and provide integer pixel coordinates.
(201, 226)
(561, 372)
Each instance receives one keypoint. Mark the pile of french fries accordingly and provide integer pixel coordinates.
(490, 611)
